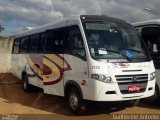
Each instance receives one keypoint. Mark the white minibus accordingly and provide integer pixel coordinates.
(85, 58)
(150, 32)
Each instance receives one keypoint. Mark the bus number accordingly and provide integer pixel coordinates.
(95, 67)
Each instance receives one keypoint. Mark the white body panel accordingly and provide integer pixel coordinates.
(58, 87)
(20, 64)
(95, 90)
(100, 88)
(78, 72)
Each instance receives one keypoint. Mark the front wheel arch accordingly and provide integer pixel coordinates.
(74, 97)
(71, 84)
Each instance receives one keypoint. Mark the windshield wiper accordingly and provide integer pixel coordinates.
(110, 50)
(117, 52)
(134, 50)
(124, 55)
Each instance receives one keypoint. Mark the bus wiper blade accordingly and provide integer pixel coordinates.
(124, 55)
(117, 52)
(134, 50)
(114, 51)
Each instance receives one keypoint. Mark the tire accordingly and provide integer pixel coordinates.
(75, 102)
(26, 86)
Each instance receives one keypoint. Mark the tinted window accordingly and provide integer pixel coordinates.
(16, 46)
(24, 45)
(151, 36)
(75, 42)
(55, 41)
(42, 43)
(33, 45)
(49, 42)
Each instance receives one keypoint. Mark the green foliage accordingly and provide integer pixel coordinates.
(1, 28)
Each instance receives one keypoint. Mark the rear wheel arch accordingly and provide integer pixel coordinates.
(22, 74)
(27, 87)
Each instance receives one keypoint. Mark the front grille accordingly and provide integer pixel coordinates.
(128, 80)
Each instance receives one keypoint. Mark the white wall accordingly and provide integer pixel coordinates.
(5, 55)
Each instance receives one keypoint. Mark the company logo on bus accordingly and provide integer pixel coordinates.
(120, 65)
(58, 66)
(51, 69)
(134, 79)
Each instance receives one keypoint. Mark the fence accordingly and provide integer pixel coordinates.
(5, 54)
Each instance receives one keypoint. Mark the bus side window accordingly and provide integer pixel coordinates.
(49, 42)
(58, 44)
(55, 41)
(24, 45)
(75, 42)
(33, 44)
(41, 43)
(150, 35)
(16, 46)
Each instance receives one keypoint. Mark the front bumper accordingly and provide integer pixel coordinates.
(111, 92)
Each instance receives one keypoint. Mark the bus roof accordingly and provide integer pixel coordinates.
(51, 25)
(149, 22)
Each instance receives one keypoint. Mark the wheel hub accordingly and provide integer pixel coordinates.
(73, 101)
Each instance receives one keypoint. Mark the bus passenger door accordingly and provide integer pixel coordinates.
(53, 62)
(76, 61)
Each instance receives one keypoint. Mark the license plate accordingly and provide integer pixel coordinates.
(134, 88)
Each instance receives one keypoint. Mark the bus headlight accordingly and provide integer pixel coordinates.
(152, 76)
(101, 77)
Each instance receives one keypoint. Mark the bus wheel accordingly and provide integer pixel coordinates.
(75, 102)
(26, 86)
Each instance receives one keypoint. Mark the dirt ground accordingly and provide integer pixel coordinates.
(14, 102)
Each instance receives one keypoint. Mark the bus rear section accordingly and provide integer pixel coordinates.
(95, 58)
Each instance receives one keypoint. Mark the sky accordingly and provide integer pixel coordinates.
(15, 15)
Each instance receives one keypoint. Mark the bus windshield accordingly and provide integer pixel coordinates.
(110, 40)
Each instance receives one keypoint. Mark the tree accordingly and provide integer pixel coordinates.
(1, 28)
